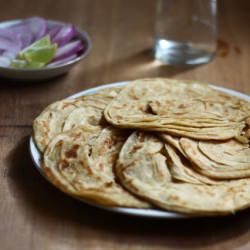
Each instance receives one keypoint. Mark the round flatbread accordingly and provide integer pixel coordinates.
(69, 113)
(142, 168)
(182, 108)
(80, 162)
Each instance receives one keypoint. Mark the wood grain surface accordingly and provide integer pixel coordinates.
(33, 214)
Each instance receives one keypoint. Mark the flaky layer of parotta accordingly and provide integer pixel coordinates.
(69, 113)
(231, 163)
(181, 108)
(208, 161)
(180, 167)
(143, 169)
(80, 162)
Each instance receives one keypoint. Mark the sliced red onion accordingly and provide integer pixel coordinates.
(37, 25)
(65, 34)
(5, 61)
(68, 49)
(62, 61)
(23, 33)
(53, 31)
(9, 41)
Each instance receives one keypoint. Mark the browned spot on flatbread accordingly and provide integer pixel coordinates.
(136, 147)
(72, 153)
(108, 184)
(64, 164)
(109, 142)
(182, 106)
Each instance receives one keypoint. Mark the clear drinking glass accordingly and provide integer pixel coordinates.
(186, 31)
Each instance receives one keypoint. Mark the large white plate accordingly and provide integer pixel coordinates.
(152, 213)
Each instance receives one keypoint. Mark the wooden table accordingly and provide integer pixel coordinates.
(33, 214)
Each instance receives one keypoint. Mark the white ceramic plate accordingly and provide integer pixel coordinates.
(151, 213)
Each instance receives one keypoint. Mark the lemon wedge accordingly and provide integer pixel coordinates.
(38, 53)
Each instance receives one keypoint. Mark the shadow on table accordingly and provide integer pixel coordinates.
(51, 207)
(134, 66)
(27, 83)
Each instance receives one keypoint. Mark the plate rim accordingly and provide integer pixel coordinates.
(137, 212)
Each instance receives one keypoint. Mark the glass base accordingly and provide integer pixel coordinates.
(176, 53)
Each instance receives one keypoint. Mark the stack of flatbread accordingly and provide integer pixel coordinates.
(180, 146)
